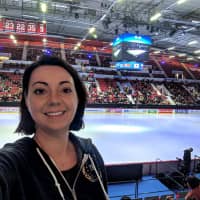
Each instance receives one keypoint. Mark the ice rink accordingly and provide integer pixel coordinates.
(123, 138)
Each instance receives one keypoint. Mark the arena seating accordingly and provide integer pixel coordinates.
(106, 85)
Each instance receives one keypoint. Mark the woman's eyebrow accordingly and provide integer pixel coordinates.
(39, 82)
(46, 84)
(63, 82)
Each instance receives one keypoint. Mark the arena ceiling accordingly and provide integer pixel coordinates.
(177, 27)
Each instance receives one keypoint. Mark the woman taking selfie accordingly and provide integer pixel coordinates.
(52, 164)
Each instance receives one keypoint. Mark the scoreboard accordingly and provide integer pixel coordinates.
(130, 47)
(131, 65)
(22, 26)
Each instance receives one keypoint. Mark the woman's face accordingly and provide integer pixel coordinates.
(52, 99)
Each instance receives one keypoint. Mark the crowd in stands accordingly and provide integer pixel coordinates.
(143, 89)
(146, 94)
(10, 87)
(179, 94)
(194, 90)
(112, 91)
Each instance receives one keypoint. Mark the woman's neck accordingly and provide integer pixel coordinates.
(52, 145)
(60, 149)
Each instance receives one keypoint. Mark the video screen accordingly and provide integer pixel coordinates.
(130, 47)
(129, 65)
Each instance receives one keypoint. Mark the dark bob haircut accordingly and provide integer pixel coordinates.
(27, 125)
(193, 181)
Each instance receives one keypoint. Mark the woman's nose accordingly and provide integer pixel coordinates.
(54, 99)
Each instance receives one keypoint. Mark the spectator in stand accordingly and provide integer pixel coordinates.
(187, 160)
(193, 184)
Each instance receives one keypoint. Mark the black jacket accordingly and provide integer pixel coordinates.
(28, 173)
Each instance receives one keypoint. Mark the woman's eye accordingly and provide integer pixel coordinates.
(39, 91)
(67, 90)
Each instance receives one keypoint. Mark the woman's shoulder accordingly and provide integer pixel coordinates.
(83, 143)
(13, 155)
(15, 149)
(87, 146)
(20, 142)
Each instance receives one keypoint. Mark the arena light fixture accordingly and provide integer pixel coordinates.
(92, 30)
(43, 7)
(171, 48)
(103, 17)
(181, 1)
(75, 48)
(59, 5)
(116, 53)
(156, 52)
(12, 37)
(94, 35)
(193, 42)
(195, 22)
(197, 51)
(44, 40)
(156, 16)
(79, 44)
(181, 54)
(30, 16)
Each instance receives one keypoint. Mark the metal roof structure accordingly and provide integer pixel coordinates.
(178, 25)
